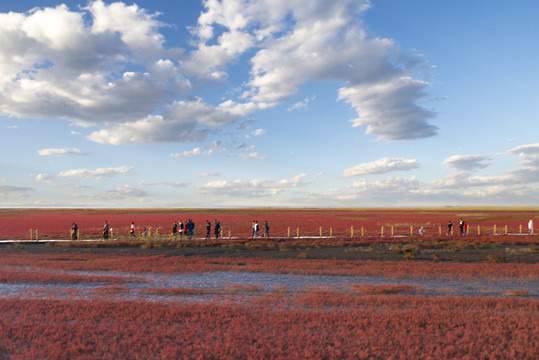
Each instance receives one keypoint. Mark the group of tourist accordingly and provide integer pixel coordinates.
(463, 227)
(188, 229)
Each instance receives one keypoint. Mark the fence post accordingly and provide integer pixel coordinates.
(289, 232)
(37, 235)
(297, 232)
(505, 229)
(494, 229)
(320, 231)
(382, 231)
(351, 231)
(78, 234)
(362, 233)
(330, 232)
(451, 230)
(478, 229)
(440, 230)
(31, 234)
(392, 233)
(411, 231)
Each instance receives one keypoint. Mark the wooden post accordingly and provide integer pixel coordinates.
(297, 232)
(478, 229)
(382, 231)
(505, 229)
(289, 232)
(78, 234)
(362, 233)
(451, 230)
(320, 231)
(111, 233)
(351, 231)
(330, 232)
(440, 230)
(411, 231)
(520, 229)
(494, 229)
(31, 233)
(392, 231)
(150, 231)
(229, 235)
(37, 235)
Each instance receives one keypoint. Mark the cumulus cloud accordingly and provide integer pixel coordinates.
(529, 149)
(259, 132)
(107, 65)
(60, 151)
(98, 173)
(44, 178)
(466, 162)
(251, 188)
(381, 166)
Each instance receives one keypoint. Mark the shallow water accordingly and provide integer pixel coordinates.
(135, 285)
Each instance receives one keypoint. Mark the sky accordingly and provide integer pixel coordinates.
(269, 103)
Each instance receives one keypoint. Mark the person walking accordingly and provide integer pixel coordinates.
(449, 227)
(174, 229)
(461, 226)
(530, 227)
(132, 229)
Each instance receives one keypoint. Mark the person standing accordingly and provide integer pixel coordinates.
(217, 229)
(530, 227)
(132, 229)
(74, 230)
(208, 229)
(106, 230)
(461, 226)
(449, 227)
(174, 229)
(180, 228)
(266, 229)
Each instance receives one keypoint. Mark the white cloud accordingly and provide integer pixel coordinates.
(194, 152)
(251, 188)
(107, 65)
(123, 192)
(321, 173)
(207, 174)
(381, 166)
(44, 178)
(259, 132)
(301, 104)
(252, 156)
(466, 162)
(60, 151)
(98, 173)
(529, 149)
(175, 184)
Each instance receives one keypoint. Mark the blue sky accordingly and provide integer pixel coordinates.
(236, 103)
